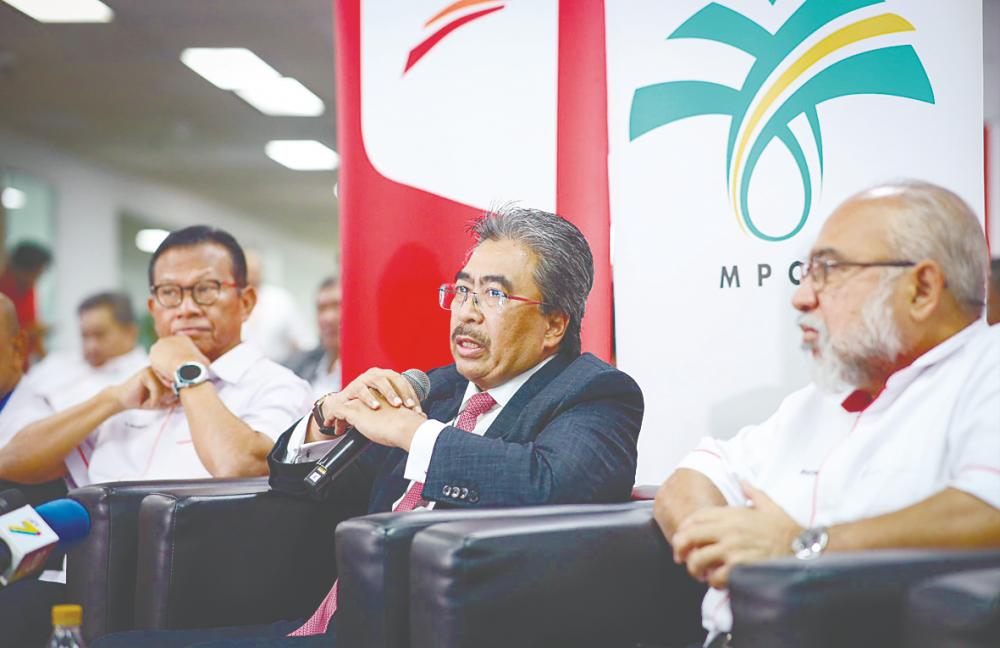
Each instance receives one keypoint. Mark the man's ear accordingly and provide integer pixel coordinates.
(925, 289)
(248, 299)
(556, 324)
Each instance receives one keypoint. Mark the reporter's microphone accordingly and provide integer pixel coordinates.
(353, 442)
(28, 536)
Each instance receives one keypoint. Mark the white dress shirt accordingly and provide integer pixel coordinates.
(936, 425)
(65, 379)
(422, 445)
(59, 381)
(24, 407)
(156, 444)
(325, 379)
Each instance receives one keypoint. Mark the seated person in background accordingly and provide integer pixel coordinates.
(321, 366)
(25, 265)
(19, 405)
(276, 325)
(897, 442)
(109, 337)
(206, 406)
(521, 418)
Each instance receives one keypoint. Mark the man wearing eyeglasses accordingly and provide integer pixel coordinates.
(897, 441)
(206, 406)
(521, 418)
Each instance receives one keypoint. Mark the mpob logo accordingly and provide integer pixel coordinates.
(827, 49)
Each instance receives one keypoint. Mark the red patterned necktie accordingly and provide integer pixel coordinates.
(478, 405)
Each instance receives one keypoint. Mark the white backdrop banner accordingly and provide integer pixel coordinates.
(735, 128)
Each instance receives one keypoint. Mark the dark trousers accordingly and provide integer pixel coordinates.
(272, 635)
(26, 612)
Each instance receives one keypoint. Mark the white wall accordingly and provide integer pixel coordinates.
(88, 203)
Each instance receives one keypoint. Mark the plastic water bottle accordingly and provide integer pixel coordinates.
(66, 620)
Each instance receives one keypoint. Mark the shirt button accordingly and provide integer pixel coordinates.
(446, 491)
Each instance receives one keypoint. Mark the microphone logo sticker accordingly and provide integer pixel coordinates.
(826, 49)
(26, 528)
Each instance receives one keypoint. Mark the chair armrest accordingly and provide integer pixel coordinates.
(958, 610)
(101, 568)
(210, 559)
(373, 561)
(593, 579)
(846, 599)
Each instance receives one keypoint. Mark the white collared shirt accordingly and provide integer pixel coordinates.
(936, 425)
(65, 379)
(422, 446)
(60, 381)
(156, 444)
(325, 379)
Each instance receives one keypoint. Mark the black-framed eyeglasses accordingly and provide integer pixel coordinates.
(454, 296)
(818, 268)
(204, 293)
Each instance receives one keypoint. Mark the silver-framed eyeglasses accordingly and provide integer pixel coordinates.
(819, 268)
(454, 296)
(204, 293)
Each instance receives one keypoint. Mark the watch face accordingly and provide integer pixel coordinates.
(189, 371)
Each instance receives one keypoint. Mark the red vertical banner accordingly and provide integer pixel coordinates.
(433, 128)
(582, 154)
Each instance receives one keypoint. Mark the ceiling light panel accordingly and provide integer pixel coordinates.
(229, 68)
(13, 198)
(283, 96)
(302, 155)
(64, 11)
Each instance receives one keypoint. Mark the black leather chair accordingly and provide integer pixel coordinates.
(848, 599)
(373, 561)
(597, 578)
(960, 610)
(101, 569)
(209, 559)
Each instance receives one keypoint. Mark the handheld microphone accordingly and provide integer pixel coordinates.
(353, 442)
(28, 536)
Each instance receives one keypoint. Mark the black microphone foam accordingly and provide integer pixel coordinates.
(353, 442)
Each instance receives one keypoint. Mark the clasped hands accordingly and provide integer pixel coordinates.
(712, 540)
(152, 387)
(380, 404)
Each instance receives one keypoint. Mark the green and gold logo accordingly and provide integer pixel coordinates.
(818, 54)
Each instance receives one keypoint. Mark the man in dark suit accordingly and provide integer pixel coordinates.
(521, 418)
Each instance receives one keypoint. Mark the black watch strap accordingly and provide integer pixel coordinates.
(319, 418)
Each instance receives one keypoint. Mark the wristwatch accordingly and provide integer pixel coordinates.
(319, 418)
(189, 374)
(810, 543)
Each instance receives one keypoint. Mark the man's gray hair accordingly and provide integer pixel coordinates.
(934, 223)
(565, 270)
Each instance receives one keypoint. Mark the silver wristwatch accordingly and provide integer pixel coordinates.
(189, 374)
(810, 543)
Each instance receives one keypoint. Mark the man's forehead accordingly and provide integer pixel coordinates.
(855, 228)
(192, 262)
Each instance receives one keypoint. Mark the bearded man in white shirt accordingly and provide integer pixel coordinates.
(896, 443)
(206, 406)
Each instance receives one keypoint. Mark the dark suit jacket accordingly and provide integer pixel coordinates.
(567, 436)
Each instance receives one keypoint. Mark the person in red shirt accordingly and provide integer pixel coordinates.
(26, 263)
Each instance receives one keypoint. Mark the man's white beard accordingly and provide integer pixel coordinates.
(862, 354)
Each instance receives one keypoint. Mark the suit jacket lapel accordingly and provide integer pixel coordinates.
(538, 382)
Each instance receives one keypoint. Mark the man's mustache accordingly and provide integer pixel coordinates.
(465, 331)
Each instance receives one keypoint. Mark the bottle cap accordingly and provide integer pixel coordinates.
(67, 615)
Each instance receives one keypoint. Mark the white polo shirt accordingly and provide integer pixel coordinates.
(156, 444)
(935, 425)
